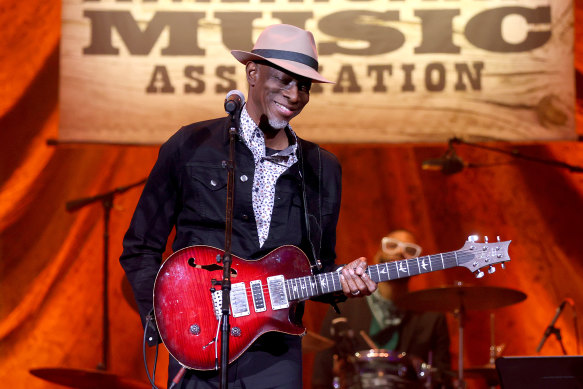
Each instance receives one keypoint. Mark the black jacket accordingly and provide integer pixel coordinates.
(186, 190)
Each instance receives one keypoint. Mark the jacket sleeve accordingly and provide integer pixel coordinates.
(145, 240)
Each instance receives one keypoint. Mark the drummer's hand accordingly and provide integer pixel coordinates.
(355, 281)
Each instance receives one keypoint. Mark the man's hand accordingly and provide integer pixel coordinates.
(355, 282)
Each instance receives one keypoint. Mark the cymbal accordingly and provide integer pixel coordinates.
(87, 379)
(451, 298)
(312, 342)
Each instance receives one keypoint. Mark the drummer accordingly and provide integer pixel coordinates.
(417, 334)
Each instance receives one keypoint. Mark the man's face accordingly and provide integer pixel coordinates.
(400, 245)
(275, 95)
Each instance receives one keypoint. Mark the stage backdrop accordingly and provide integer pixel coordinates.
(133, 71)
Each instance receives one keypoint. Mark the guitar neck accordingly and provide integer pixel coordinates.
(303, 288)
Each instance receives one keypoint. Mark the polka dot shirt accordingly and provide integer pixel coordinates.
(268, 168)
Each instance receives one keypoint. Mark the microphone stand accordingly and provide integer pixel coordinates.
(551, 329)
(516, 154)
(227, 259)
(107, 203)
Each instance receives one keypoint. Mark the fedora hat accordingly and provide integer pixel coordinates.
(288, 47)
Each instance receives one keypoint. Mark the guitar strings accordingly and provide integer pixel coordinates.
(437, 259)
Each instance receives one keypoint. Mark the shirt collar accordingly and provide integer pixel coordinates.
(255, 140)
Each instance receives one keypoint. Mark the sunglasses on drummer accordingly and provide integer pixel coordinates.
(391, 246)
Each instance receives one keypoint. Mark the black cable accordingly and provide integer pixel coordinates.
(148, 322)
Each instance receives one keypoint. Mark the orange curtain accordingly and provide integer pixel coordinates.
(51, 260)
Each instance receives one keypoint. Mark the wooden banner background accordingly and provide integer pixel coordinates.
(406, 71)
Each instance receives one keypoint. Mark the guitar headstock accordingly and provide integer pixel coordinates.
(476, 256)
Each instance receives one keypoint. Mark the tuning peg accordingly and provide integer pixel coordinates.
(491, 269)
(498, 238)
(473, 238)
(479, 274)
(485, 239)
(503, 266)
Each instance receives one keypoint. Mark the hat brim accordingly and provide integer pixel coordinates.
(292, 66)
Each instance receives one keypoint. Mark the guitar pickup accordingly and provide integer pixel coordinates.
(277, 293)
(239, 301)
(257, 294)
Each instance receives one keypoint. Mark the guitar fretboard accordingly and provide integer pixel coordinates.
(303, 288)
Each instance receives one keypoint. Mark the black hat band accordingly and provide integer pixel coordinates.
(288, 55)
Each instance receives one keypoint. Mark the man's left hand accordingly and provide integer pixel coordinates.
(354, 279)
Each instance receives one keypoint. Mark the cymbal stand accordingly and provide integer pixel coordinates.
(460, 315)
(492, 344)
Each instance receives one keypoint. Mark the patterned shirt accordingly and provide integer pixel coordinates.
(268, 168)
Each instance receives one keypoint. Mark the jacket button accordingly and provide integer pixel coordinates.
(213, 183)
(245, 217)
(244, 178)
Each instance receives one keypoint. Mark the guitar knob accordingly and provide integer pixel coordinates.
(491, 269)
(235, 331)
(479, 274)
(195, 329)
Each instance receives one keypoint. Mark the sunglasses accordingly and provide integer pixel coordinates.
(391, 246)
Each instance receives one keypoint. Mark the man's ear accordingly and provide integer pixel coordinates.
(252, 70)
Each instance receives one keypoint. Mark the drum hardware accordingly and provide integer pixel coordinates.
(457, 300)
(312, 342)
(368, 340)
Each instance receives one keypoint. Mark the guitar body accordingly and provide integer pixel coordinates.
(184, 309)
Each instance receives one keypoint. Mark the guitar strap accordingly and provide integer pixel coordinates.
(311, 181)
(311, 177)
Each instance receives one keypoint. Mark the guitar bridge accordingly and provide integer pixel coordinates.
(217, 302)
(239, 302)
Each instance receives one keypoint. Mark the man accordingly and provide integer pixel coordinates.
(287, 192)
(416, 334)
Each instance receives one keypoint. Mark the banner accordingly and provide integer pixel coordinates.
(134, 71)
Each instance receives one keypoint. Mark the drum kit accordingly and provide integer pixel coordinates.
(376, 368)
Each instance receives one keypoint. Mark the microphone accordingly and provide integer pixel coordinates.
(551, 328)
(449, 163)
(340, 329)
(343, 337)
(234, 101)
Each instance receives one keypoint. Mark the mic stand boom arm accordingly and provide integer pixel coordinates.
(551, 329)
(516, 154)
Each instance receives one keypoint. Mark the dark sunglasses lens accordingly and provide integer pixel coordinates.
(391, 245)
(410, 251)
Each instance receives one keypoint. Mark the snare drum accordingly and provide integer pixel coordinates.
(377, 368)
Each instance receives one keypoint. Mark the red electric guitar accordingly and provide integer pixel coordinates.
(265, 293)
